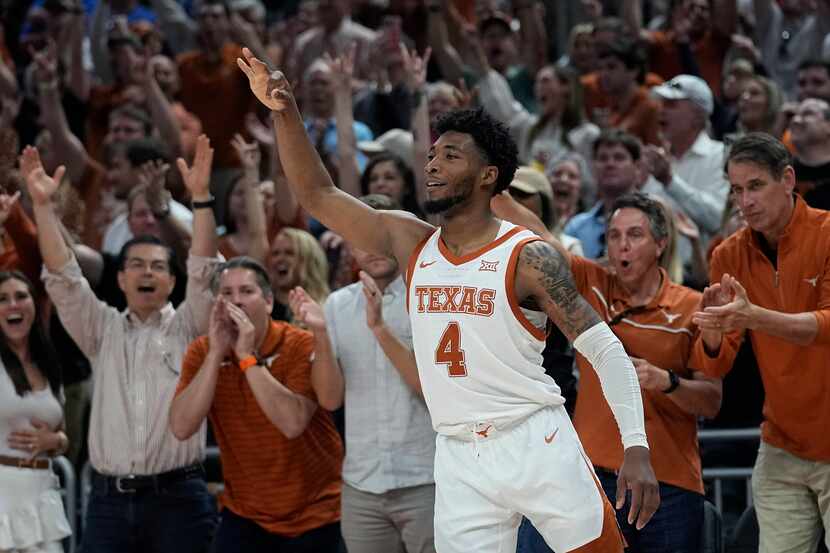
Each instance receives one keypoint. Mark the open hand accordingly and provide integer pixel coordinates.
(40, 185)
(374, 301)
(270, 87)
(306, 310)
(737, 314)
(249, 154)
(221, 332)
(245, 331)
(152, 175)
(197, 178)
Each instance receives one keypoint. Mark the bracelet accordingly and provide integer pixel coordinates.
(209, 203)
(674, 382)
(247, 362)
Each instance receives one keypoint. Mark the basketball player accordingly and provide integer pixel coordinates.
(480, 290)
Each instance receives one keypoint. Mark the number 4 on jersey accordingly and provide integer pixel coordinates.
(449, 351)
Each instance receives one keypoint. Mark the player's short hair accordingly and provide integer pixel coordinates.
(491, 137)
(148, 240)
(762, 150)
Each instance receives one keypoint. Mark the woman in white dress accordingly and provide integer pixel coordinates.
(32, 518)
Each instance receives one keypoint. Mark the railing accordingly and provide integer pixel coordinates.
(63, 466)
(715, 475)
(718, 475)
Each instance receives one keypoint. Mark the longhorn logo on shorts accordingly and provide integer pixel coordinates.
(489, 266)
(483, 432)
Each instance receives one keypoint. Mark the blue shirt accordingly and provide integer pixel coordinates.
(589, 228)
(361, 133)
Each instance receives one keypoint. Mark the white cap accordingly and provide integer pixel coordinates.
(532, 181)
(687, 87)
(394, 141)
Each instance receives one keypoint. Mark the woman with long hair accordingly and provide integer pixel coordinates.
(389, 175)
(759, 106)
(31, 417)
(560, 125)
(296, 259)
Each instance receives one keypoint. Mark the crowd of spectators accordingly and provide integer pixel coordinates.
(162, 289)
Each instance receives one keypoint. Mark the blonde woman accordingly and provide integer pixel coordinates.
(296, 259)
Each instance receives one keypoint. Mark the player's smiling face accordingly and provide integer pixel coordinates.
(452, 171)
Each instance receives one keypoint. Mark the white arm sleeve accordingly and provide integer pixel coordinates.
(618, 379)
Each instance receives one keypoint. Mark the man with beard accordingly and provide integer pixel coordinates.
(388, 486)
(479, 291)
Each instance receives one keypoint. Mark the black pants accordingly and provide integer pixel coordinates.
(241, 535)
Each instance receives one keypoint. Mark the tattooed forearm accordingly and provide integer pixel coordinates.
(559, 296)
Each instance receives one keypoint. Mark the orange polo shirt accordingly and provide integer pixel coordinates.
(288, 487)
(709, 52)
(796, 378)
(640, 117)
(662, 333)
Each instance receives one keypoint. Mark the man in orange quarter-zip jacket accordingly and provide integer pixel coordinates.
(770, 282)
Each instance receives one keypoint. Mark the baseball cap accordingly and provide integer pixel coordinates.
(394, 141)
(495, 18)
(687, 87)
(531, 181)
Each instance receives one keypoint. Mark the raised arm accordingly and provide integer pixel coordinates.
(326, 373)
(67, 147)
(399, 353)
(544, 278)
(152, 176)
(448, 58)
(161, 111)
(348, 173)
(249, 154)
(415, 67)
(197, 181)
(42, 187)
(725, 16)
(388, 233)
(533, 36)
(79, 80)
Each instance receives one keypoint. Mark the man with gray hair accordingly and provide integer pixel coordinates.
(689, 164)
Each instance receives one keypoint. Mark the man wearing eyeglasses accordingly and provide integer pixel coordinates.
(147, 486)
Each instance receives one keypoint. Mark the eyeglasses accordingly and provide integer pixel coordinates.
(155, 266)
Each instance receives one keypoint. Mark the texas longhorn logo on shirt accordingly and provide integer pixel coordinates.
(455, 299)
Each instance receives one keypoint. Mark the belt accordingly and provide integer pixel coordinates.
(133, 483)
(24, 463)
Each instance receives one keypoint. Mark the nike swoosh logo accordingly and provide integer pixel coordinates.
(549, 439)
(425, 264)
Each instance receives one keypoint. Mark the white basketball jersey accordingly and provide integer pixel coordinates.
(479, 353)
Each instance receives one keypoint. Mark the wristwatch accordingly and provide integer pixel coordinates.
(674, 382)
(209, 203)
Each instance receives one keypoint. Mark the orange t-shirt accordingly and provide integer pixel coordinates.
(640, 117)
(709, 52)
(286, 486)
(219, 96)
(796, 378)
(663, 334)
